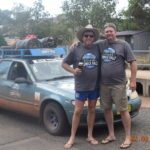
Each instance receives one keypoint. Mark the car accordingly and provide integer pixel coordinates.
(34, 83)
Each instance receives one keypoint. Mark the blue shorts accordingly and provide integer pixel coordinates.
(87, 95)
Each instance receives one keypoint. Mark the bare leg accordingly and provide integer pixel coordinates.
(126, 120)
(75, 122)
(109, 120)
(91, 119)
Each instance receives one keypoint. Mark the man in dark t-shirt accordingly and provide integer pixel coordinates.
(82, 62)
(115, 53)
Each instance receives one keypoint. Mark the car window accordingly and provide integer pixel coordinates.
(4, 68)
(47, 69)
(17, 71)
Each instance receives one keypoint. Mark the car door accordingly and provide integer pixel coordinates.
(20, 96)
(4, 69)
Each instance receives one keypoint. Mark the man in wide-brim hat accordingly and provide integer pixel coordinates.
(85, 29)
(85, 61)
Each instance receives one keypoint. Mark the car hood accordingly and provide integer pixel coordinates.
(64, 87)
(63, 84)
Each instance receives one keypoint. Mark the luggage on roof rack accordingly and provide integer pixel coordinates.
(28, 43)
(48, 42)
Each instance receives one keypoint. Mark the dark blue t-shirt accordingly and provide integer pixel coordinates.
(87, 80)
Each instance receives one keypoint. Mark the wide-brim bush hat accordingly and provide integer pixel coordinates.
(85, 29)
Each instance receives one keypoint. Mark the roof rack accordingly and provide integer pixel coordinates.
(26, 53)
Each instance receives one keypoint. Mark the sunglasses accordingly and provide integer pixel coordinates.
(88, 35)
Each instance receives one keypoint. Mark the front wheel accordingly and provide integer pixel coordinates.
(54, 119)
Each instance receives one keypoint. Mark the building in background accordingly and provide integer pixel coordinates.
(139, 40)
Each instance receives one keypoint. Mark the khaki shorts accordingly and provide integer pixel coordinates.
(114, 94)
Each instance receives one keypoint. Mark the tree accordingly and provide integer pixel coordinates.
(22, 20)
(81, 12)
(21, 17)
(5, 17)
(137, 16)
(102, 11)
(61, 31)
(38, 11)
(40, 23)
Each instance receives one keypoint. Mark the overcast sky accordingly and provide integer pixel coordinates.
(53, 6)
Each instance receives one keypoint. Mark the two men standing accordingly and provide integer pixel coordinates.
(113, 55)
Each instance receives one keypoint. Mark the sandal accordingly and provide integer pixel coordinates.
(92, 141)
(125, 145)
(68, 145)
(107, 140)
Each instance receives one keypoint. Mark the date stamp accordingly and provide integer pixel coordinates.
(140, 138)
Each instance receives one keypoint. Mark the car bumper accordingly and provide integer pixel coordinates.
(134, 106)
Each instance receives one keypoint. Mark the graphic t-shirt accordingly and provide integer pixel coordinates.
(87, 80)
(114, 56)
(109, 54)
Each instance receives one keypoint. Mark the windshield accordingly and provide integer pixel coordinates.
(48, 69)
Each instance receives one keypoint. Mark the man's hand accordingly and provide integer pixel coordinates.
(74, 45)
(77, 71)
(132, 85)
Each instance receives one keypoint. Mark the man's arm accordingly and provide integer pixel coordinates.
(133, 67)
(70, 69)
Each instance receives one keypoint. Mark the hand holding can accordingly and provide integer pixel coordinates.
(80, 65)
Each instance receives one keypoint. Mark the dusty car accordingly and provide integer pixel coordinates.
(38, 86)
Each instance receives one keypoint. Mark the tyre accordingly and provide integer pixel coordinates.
(54, 119)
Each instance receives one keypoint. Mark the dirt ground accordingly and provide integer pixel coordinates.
(145, 102)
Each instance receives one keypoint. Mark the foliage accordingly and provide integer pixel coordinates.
(137, 16)
(5, 17)
(102, 11)
(38, 11)
(81, 12)
(22, 20)
(61, 31)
